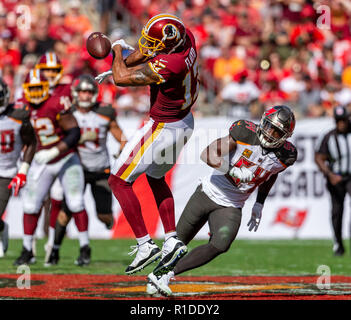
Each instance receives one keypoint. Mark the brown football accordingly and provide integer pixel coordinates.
(98, 45)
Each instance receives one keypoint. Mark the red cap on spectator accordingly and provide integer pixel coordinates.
(240, 74)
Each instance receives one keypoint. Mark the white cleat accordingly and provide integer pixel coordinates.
(161, 283)
(146, 253)
(151, 289)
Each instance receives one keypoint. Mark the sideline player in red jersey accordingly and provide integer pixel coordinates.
(167, 63)
(57, 134)
(16, 132)
(95, 121)
(52, 69)
(250, 156)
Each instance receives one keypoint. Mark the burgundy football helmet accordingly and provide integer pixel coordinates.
(277, 124)
(162, 33)
(50, 61)
(36, 87)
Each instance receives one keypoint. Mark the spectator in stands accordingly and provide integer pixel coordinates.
(227, 65)
(309, 99)
(75, 20)
(237, 96)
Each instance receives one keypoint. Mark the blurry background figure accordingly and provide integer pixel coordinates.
(237, 95)
(334, 160)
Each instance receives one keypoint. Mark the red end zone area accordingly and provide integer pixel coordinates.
(107, 287)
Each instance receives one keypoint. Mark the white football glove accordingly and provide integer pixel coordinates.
(244, 174)
(255, 216)
(45, 156)
(102, 76)
(123, 44)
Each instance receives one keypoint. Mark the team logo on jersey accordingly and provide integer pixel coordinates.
(247, 153)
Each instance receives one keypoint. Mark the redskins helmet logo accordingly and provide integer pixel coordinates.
(170, 31)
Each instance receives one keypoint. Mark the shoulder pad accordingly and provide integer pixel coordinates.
(19, 111)
(107, 111)
(244, 131)
(287, 154)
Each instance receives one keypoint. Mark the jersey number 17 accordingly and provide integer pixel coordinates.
(192, 86)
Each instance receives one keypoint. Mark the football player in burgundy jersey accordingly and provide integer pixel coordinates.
(250, 156)
(16, 132)
(167, 62)
(57, 135)
(95, 121)
(51, 67)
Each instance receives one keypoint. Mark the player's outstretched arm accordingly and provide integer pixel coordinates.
(124, 76)
(256, 213)
(135, 58)
(214, 152)
(29, 141)
(265, 187)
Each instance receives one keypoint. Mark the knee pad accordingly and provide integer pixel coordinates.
(75, 204)
(221, 241)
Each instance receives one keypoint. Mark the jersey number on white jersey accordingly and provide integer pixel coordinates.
(7, 139)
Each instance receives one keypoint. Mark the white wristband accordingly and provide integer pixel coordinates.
(24, 168)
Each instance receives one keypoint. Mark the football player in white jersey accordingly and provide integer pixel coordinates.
(16, 132)
(95, 121)
(249, 156)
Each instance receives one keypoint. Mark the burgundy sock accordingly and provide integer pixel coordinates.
(165, 202)
(81, 220)
(30, 222)
(54, 212)
(129, 203)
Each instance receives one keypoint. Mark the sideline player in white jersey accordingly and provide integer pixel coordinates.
(249, 156)
(16, 132)
(57, 134)
(95, 121)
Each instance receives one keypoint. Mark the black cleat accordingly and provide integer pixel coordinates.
(26, 257)
(146, 253)
(172, 251)
(84, 256)
(338, 249)
(53, 258)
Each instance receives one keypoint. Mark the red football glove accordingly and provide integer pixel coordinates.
(17, 182)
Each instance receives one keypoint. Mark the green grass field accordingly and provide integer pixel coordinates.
(246, 257)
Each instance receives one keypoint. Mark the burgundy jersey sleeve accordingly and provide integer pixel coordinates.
(167, 67)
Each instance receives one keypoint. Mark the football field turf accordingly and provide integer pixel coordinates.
(251, 269)
(245, 257)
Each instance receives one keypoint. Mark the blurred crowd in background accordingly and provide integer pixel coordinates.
(252, 54)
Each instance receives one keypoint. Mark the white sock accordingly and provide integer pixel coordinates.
(144, 239)
(170, 234)
(27, 241)
(83, 238)
(51, 236)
